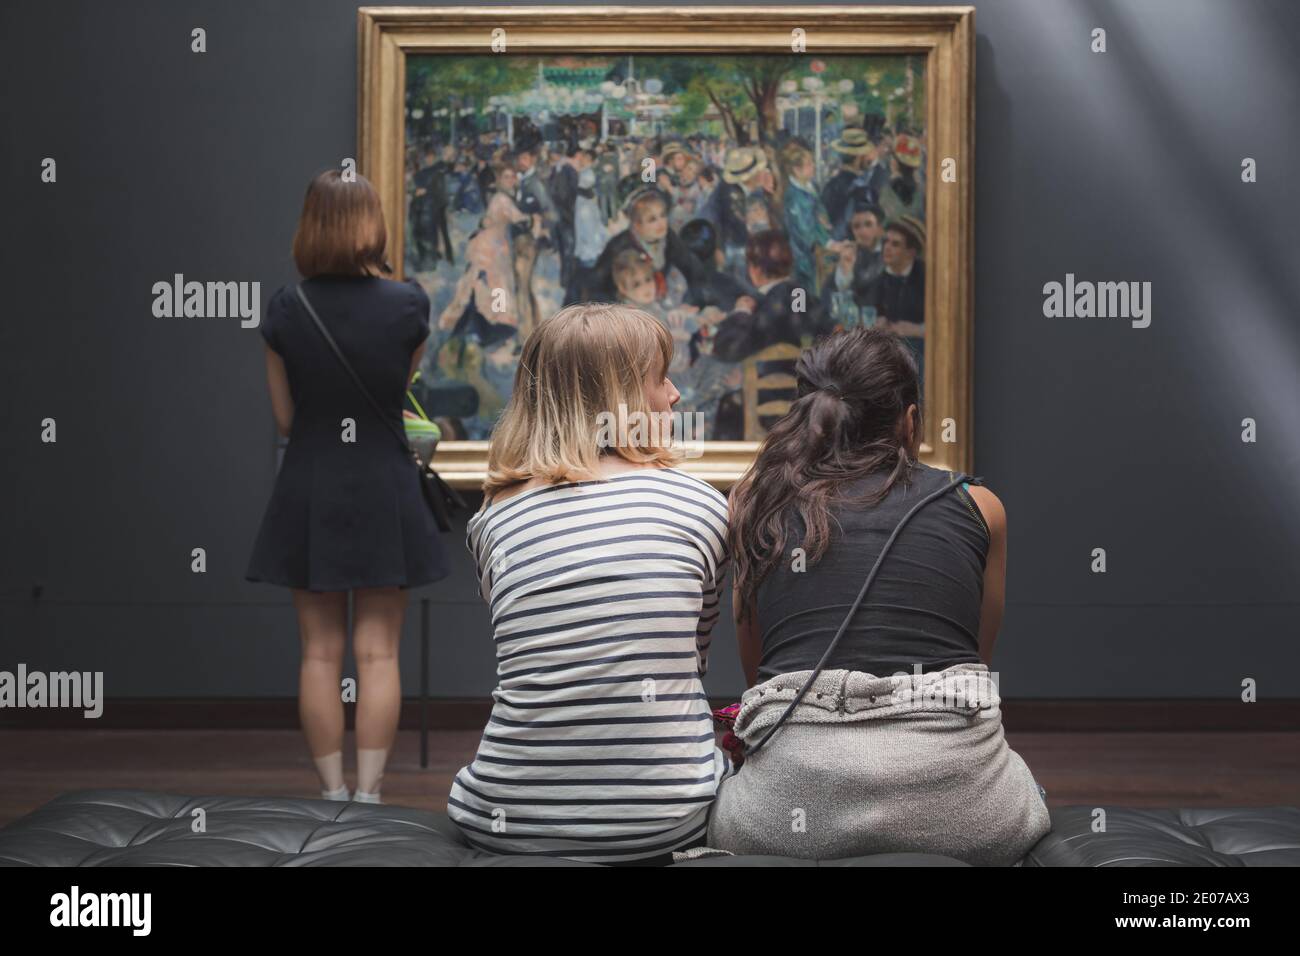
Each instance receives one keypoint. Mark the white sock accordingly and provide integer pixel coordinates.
(370, 769)
(362, 797)
(330, 768)
(340, 794)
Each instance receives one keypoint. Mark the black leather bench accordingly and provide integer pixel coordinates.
(144, 828)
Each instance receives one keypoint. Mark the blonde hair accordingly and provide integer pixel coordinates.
(585, 363)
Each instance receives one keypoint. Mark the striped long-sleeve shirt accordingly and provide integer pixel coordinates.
(603, 595)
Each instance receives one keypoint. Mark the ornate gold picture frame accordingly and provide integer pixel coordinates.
(938, 41)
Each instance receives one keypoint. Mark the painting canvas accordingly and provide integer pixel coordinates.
(536, 182)
(749, 192)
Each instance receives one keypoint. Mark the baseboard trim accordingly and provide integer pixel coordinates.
(446, 713)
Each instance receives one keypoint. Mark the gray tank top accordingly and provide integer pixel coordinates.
(924, 606)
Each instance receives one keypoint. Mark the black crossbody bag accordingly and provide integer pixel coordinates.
(871, 576)
(443, 500)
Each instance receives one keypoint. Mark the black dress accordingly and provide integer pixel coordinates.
(347, 514)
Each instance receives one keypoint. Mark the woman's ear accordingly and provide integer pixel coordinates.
(911, 416)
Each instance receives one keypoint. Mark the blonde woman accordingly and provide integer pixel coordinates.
(601, 564)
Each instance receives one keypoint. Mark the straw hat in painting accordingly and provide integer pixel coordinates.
(743, 162)
(854, 142)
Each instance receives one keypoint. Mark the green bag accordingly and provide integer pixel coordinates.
(422, 433)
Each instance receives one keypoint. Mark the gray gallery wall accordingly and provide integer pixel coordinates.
(1115, 166)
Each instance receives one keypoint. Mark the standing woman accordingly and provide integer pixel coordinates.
(346, 513)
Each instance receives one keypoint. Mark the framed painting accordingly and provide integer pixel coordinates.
(700, 163)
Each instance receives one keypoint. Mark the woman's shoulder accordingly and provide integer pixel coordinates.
(407, 290)
(272, 325)
(397, 290)
(692, 486)
(978, 498)
(406, 305)
(653, 480)
(990, 508)
(932, 476)
(281, 297)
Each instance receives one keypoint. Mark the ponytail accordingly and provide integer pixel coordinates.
(848, 421)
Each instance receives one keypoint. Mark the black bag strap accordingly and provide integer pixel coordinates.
(356, 379)
(862, 593)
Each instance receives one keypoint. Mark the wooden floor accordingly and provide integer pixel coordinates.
(1114, 769)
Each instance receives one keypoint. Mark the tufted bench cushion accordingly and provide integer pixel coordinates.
(1241, 836)
(145, 828)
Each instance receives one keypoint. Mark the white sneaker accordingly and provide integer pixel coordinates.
(362, 797)
(340, 794)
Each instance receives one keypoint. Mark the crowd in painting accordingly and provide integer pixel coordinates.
(735, 248)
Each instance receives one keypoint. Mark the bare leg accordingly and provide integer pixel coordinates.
(377, 630)
(322, 627)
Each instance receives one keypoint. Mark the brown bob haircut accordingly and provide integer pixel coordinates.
(341, 231)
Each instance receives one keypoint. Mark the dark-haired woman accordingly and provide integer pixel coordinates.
(346, 513)
(898, 744)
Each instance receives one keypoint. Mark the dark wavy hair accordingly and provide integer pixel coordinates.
(853, 389)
